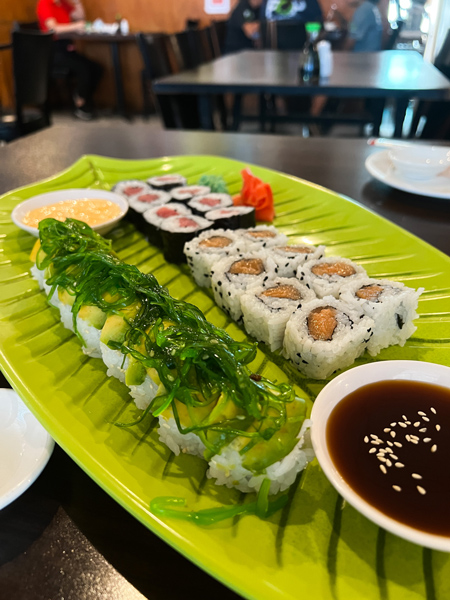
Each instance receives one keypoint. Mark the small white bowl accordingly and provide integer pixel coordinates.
(23, 208)
(332, 394)
(420, 162)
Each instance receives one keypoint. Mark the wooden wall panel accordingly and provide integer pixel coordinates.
(143, 15)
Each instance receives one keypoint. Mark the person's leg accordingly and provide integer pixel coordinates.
(86, 72)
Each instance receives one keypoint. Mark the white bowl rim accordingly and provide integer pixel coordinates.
(68, 194)
(412, 156)
(335, 391)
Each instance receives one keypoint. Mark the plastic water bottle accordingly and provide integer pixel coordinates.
(310, 65)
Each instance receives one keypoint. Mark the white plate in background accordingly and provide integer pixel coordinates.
(25, 447)
(380, 166)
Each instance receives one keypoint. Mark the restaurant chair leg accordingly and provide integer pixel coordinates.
(237, 105)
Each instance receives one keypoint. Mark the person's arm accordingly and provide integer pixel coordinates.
(52, 25)
(359, 27)
(78, 13)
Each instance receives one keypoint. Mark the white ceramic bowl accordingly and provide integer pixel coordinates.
(342, 386)
(420, 162)
(23, 208)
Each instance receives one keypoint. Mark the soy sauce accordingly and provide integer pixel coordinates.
(407, 476)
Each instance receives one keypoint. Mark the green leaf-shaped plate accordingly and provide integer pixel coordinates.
(316, 547)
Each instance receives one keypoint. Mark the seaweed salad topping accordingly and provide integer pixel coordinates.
(198, 364)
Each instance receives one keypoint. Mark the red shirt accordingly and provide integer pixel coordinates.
(48, 9)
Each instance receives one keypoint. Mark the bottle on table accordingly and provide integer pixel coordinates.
(310, 65)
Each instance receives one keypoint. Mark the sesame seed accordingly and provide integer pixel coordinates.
(394, 457)
(433, 410)
(393, 424)
(372, 450)
(438, 427)
(416, 476)
(421, 490)
(392, 434)
(386, 430)
(373, 436)
(381, 458)
(426, 440)
(366, 439)
(416, 424)
(383, 469)
(415, 441)
(434, 448)
(414, 437)
(404, 418)
(421, 413)
(388, 450)
(390, 443)
(388, 462)
(403, 425)
(422, 430)
(425, 419)
(408, 422)
(397, 488)
(407, 437)
(399, 465)
(398, 444)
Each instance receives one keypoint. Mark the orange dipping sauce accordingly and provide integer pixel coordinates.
(92, 211)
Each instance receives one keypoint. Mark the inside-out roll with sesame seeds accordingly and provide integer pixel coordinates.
(204, 251)
(261, 237)
(289, 258)
(233, 275)
(267, 308)
(390, 304)
(326, 335)
(326, 276)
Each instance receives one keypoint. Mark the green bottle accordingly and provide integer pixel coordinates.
(310, 66)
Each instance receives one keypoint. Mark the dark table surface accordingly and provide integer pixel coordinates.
(65, 537)
(392, 73)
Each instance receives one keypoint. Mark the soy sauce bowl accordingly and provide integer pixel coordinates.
(338, 389)
(420, 162)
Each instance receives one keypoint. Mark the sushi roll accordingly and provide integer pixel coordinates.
(244, 466)
(207, 249)
(233, 275)
(326, 335)
(131, 187)
(142, 202)
(154, 218)
(390, 304)
(166, 183)
(266, 309)
(176, 231)
(186, 193)
(235, 217)
(261, 237)
(327, 275)
(289, 258)
(200, 205)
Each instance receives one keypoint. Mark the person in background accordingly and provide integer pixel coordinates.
(306, 11)
(243, 27)
(66, 16)
(366, 27)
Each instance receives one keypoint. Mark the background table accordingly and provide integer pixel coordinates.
(398, 74)
(65, 538)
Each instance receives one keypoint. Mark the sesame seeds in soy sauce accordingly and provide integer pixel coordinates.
(390, 442)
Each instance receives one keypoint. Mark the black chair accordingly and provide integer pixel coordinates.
(31, 72)
(284, 35)
(175, 111)
(394, 34)
(437, 114)
(220, 33)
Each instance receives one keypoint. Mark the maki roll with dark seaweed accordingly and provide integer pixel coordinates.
(143, 202)
(155, 217)
(166, 183)
(200, 205)
(234, 217)
(186, 193)
(130, 188)
(176, 231)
